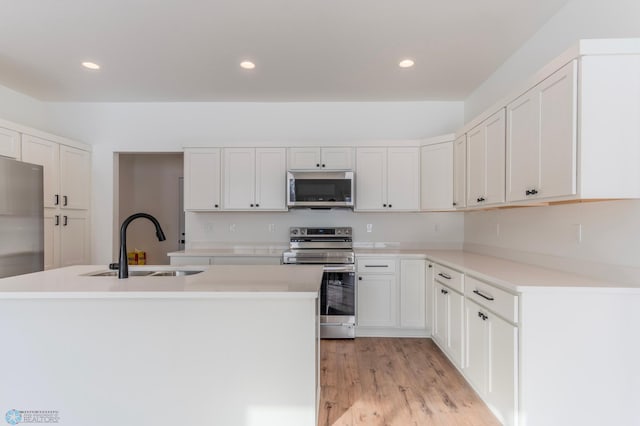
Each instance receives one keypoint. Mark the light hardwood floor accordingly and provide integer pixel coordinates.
(386, 381)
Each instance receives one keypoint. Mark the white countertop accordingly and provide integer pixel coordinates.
(221, 281)
(520, 277)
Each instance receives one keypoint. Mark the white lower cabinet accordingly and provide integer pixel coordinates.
(448, 321)
(377, 300)
(66, 238)
(390, 297)
(490, 361)
(412, 293)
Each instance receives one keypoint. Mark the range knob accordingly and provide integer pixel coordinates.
(294, 231)
(303, 231)
(339, 231)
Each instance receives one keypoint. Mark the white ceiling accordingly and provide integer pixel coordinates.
(305, 50)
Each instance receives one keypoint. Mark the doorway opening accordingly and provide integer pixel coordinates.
(151, 183)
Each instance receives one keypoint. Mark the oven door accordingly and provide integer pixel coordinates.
(337, 302)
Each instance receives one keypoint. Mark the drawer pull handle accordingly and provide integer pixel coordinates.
(443, 291)
(376, 266)
(484, 296)
(445, 276)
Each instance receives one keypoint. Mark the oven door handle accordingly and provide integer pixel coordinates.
(341, 268)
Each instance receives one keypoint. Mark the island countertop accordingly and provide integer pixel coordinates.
(216, 281)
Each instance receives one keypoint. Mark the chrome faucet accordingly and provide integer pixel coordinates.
(123, 264)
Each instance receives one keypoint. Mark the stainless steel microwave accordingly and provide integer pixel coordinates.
(319, 189)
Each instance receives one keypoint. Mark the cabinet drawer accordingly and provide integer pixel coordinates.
(499, 301)
(450, 278)
(376, 265)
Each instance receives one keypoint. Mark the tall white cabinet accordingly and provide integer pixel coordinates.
(67, 183)
(387, 179)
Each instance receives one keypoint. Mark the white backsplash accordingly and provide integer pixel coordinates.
(585, 238)
(429, 230)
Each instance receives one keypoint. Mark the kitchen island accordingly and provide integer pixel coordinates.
(228, 346)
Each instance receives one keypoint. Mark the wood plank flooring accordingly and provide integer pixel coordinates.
(389, 381)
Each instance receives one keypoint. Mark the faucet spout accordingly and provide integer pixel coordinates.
(123, 264)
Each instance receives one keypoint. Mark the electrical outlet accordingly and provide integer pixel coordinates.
(436, 227)
(272, 227)
(578, 230)
(497, 229)
(232, 227)
(369, 227)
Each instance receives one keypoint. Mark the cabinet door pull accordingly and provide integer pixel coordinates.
(384, 205)
(483, 295)
(257, 205)
(57, 200)
(390, 206)
(57, 220)
(531, 192)
(64, 220)
(323, 165)
(359, 278)
(215, 205)
(443, 291)
(317, 164)
(250, 205)
(480, 199)
(445, 276)
(455, 204)
(64, 200)
(483, 316)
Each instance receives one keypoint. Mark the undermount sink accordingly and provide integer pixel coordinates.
(162, 273)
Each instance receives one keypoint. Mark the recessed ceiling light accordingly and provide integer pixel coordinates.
(406, 63)
(91, 65)
(247, 65)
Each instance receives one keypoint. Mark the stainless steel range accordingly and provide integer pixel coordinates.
(332, 248)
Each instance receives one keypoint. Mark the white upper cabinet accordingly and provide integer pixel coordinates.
(486, 162)
(388, 179)
(314, 158)
(202, 179)
(460, 172)
(271, 178)
(541, 139)
(46, 154)
(254, 178)
(75, 178)
(371, 179)
(9, 143)
(437, 177)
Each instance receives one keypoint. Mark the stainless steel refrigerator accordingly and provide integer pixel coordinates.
(21, 218)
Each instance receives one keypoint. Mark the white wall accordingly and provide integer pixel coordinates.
(22, 109)
(578, 19)
(140, 127)
(548, 235)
